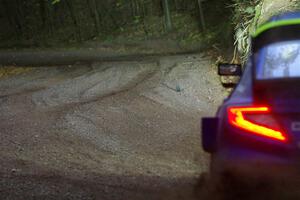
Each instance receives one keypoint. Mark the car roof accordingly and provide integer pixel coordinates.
(285, 19)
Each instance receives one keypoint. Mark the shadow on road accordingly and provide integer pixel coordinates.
(36, 182)
(236, 188)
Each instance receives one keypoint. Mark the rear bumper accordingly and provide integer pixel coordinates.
(252, 156)
(256, 165)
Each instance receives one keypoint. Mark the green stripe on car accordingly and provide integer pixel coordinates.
(275, 24)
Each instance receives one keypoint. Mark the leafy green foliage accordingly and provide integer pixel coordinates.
(245, 16)
(52, 22)
(55, 1)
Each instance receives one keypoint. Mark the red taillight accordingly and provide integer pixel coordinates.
(236, 116)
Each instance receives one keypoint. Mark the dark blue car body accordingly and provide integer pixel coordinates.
(237, 150)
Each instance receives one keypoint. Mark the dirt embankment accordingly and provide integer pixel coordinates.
(91, 52)
(117, 130)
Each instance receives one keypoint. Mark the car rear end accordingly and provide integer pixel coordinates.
(265, 143)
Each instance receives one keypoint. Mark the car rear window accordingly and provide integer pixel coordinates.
(278, 60)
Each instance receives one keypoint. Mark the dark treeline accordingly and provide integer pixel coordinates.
(84, 19)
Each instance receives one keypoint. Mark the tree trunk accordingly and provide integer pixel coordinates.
(14, 8)
(107, 12)
(168, 22)
(74, 18)
(144, 19)
(46, 11)
(9, 15)
(137, 8)
(202, 20)
(96, 16)
(132, 5)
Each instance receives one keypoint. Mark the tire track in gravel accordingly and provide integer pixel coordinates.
(135, 140)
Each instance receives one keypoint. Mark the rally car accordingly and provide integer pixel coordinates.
(256, 131)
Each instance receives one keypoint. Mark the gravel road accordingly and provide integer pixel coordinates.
(110, 130)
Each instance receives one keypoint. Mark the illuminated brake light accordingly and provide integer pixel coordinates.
(236, 116)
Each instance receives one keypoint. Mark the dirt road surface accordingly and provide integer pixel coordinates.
(115, 130)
